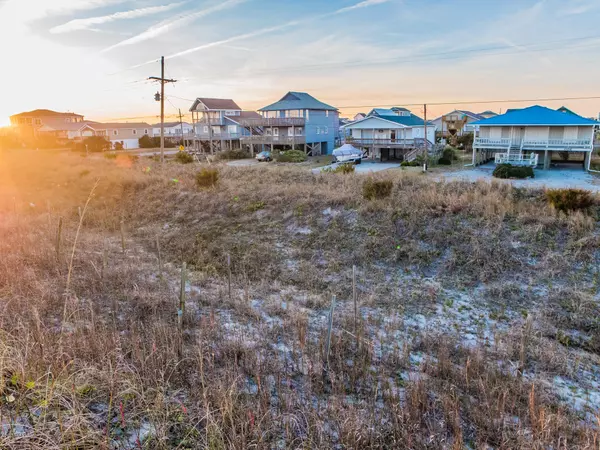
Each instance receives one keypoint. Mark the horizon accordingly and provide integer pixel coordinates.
(94, 57)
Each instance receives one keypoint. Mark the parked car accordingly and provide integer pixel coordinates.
(264, 157)
(348, 154)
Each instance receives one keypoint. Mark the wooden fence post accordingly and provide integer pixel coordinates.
(354, 298)
(58, 237)
(229, 273)
(329, 330)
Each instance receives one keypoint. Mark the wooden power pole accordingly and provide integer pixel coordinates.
(163, 81)
(181, 123)
(425, 136)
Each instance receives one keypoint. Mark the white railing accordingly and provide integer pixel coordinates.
(531, 144)
(517, 160)
(492, 143)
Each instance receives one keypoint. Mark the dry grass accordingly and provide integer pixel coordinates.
(443, 356)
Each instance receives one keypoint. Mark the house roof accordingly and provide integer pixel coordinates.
(45, 113)
(60, 125)
(169, 124)
(298, 100)
(466, 113)
(217, 104)
(406, 121)
(488, 113)
(536, 116)
(119, 125)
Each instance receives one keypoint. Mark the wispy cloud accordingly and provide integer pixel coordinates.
(576, 7)
(28, 10)
(174, 23)
(363, 4)
(268, 30)
(88, 24)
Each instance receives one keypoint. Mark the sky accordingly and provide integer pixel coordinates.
(94, 57)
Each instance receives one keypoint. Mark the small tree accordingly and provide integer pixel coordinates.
(96, 144)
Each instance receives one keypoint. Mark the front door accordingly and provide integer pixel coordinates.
(393, 135)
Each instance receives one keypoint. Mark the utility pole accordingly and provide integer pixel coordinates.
(181, 123)
(425, 136)
(163, 81)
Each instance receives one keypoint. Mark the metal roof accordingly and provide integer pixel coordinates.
(216, 104)
(536, 116)
(45, 113)
(298, 100)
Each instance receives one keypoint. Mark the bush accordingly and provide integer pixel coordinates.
(96, 144)
(444, 161)
(466, 140)
(184, 158)
(344, 168)
(148, 142)
(506, 171)
(233, 154)
(292, 156)
(410, 164)
(373, 189)
(449, 153)
(207, 178)
(567, 200)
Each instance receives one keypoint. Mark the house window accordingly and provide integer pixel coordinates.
(318, 130)
(298, 131)
(206, 129)
(38, 121)
(145, 131)
(232, 129)
(557, 133)
(115, 132)
(290, 131)
(293, 113)
(327, 113)
(326, 130)
(307, 115)
(484, 133)
(134, 131)
(275, 131)
(216, 130)
(505, 133)
(269, 133)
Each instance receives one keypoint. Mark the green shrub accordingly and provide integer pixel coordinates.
(344, 168)
(233, 154)
(184, 158)
(414, 163)
(466, 140)
(567, 200)
(207, 177)
(506, 171)
(444, 161)
(450, 153)
(110, 155)
(291, 156)
(373, 189)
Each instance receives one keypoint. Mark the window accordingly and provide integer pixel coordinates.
(205, 129)
(290, 131)
(293, 113)
(298, 131)
(38, 121)
(232, 129)
(145, 131)
(505, 133)
(216, 130)
(318, 130)
(327, 113)
(115, 132)
(275, 131)
(271, 114)
(268, 132)
(134, 131)
(326, 130)
(307, 115)
(484, 133)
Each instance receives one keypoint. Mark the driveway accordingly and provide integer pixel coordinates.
(364, 167)
(553, 178)
(243, 163)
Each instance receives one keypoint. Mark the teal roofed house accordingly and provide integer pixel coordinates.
(535, 136)
(394, 134)
(298, 120)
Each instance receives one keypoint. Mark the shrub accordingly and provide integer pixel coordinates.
(444, 161)
(344, 168)
(373, 189)
(567, 200)
(410, 164)
(207, 177)
(466, 140)
(449, 153)
(292, 156)
(506, 171)
(96, 144)
(184, 158)
(233, 154)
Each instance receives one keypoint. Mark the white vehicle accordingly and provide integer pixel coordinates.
(347, 154)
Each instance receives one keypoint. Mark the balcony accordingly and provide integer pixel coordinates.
(391, 143)
(218, 136)
(571, 145)
(274, 140)
(279, 122)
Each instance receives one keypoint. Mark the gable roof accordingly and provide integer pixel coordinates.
(119, 125)
(216, 104)
(170, 124)
(488, 113)
(405, 121)
(45, 113)
(60, 125)
(471, 114)
(244, 115)
(536, 116)
(298, 100)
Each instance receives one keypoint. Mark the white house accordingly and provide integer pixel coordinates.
(174, 129)
(526, 136)
(390, 134)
